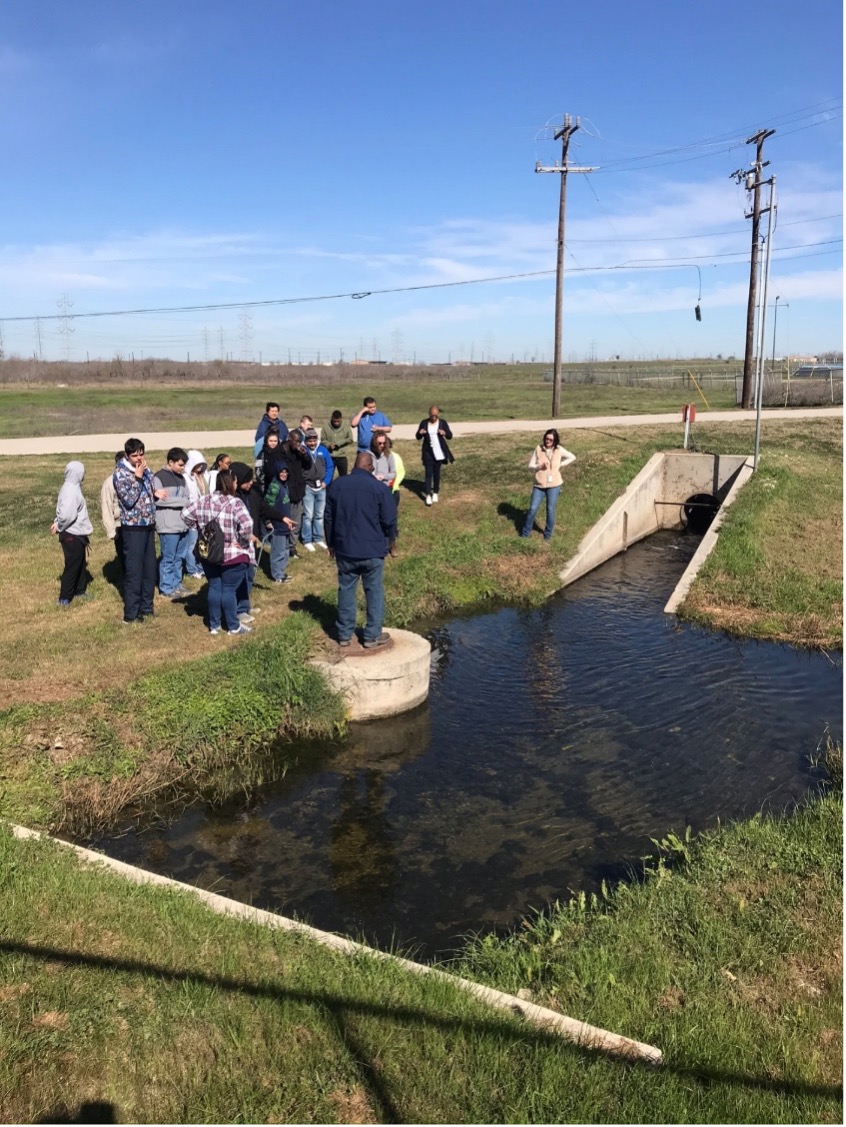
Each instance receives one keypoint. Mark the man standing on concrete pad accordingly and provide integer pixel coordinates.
(360, 522)
(369, 422)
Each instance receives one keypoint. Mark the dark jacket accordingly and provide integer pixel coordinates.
(263, 513)
(297, 462)
(361, 517)
(426, 451)
(265, 423)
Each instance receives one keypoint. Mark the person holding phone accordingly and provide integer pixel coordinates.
(136, 497)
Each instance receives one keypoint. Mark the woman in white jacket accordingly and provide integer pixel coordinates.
(195, 479)
(547, 461)
(73, 528)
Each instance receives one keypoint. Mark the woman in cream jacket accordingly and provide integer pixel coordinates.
(547, 461)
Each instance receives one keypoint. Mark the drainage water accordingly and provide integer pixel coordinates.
(555, 743)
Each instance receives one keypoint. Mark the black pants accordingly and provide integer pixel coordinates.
(75, 577)
(342, 464)
(139, 582)
(433, 476)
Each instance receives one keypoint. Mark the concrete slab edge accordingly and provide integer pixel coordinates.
(707, 544)
(570, 1029)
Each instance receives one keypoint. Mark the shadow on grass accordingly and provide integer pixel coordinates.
(339, 1010)
(96, 1111)
(516, 516)
(322, 611)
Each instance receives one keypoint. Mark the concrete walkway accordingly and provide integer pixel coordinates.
(212, 441)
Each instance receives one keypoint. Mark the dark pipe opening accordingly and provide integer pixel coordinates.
(699, 510)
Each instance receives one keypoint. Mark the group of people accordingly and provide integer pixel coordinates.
(211, 521)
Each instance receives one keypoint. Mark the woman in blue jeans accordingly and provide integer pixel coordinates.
(547, 461)
(227, 578)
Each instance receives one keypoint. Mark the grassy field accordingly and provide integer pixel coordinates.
(506, 392)
(87, 701)
(144, 1002)
(728, 955)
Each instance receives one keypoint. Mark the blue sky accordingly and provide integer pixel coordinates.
(189, 154)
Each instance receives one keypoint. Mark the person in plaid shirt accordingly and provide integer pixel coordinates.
(227, 581)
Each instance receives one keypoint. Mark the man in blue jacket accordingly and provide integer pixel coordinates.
(360, 521)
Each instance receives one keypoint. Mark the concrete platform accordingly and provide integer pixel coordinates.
(381, 682)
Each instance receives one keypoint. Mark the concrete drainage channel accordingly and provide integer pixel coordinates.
(673, 488)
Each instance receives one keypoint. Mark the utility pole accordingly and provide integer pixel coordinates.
(752, 177)
(564, 134)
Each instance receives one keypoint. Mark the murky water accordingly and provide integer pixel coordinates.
(555, 743)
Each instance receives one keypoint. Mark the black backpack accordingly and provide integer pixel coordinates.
(210, 543)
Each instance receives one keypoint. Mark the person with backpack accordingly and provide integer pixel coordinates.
(225, 550)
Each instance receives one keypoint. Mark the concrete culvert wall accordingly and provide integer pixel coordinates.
(663, 495)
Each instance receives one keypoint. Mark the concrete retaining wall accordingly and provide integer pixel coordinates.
(654, 500)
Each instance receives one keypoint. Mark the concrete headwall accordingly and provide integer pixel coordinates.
(653, 500)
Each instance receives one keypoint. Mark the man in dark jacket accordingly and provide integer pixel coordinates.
(270, 418)
(361, 520)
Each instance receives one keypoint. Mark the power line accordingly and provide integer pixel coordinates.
(358, 295)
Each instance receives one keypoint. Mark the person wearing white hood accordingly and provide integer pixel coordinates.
(195, 468)
(73, 527)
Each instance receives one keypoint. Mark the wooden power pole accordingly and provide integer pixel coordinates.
(563, 134)
(752, 177)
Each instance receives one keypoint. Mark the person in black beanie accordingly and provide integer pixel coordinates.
(263, 514)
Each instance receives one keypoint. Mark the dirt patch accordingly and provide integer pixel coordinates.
(51, 1019)
(353, 1106)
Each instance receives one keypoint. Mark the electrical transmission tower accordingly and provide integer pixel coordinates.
(39, 339)
(245, 322)
(563, 135)
(65, 327)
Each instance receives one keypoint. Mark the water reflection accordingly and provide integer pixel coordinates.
(555, 743)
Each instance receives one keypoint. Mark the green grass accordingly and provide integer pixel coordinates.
(143, 999)
(777, 570)
(99, 717)
(496, 392)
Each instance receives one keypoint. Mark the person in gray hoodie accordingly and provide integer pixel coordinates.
(73, 528)
(173, 534)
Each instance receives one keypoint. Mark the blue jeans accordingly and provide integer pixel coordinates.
(192, 565)
(280, 550)
(314, 505)
(538, 494)
(245, 590)
(370, 573)
(172, 545)
(223, 593)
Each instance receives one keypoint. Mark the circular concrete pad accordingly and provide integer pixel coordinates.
(383, 681)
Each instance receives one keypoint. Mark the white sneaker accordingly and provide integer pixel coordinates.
(434, 498)
(428, 498)
(214, 631)
(245, 618)
(322, 544)
(309, 547)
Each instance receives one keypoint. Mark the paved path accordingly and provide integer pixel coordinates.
(212, 441)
